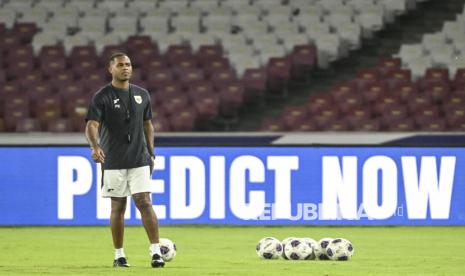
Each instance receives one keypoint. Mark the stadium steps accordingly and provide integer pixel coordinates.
(409, 28)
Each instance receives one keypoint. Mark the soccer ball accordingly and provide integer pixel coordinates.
(340, 250)
(269, 248)
(168, 249)
(284, 243)
(320, 251)
(313, 244)
(298, 249)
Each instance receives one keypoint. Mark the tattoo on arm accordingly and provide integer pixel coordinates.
(92, 133)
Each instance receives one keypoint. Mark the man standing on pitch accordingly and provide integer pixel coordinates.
(120, 115)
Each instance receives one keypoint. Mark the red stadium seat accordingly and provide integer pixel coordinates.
(337, 125)
(294, 115)
(23, 52)
(358, 113)
(418, 102)
(397, 77)
(438, 92)
(459, 79)
(272, 125)
(456, 98)
(184, 120)
(82, 52)
(144, 53)
(365, 124)
(13, 114)
(2, 125)
(72, 89)
(215, 64)
(25, 31)
(373, 92)
(51, 51)
(175, 103)
(200, 89)
(307, 125)
(387, 65)
(349, 102)
(231, 97)
(254, 81)
(17, 101)
(167, 90)
(135, 43)
(95, 80)
(158, 78)
(342, 89)
(316, 103)
(278, 74)
(208, 52)
(61, 79)
(31, 79)
(221, 77)
(430, 124)
(2, 28)
(76, 106)
(455, 116)
(8, 90)
(207, 107)
(28, 125)
(82, 67)
(437, 73)
(326, 115)
(392, 114)
(51, 66)
(2, 75)
(77, 114)
(184, 62)
(404, 124)
(176, 52)
(48, 112)
(9, 42)
(190, 76)
(383, 103)
(59, 125)
(161, 124)
(19, 67)
(366, 77)
(154, 63)
(36, 93)
(303, 58)
(427, 114)
(405, 91)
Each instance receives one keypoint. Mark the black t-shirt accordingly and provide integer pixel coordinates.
(121, 114)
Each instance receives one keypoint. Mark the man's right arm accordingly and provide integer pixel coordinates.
(92, 137)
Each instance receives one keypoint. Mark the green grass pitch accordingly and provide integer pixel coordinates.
(204, 250)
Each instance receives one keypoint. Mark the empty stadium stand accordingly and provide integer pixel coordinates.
(211, 64)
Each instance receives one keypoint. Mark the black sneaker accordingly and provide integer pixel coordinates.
(157, 261)
(121, 262)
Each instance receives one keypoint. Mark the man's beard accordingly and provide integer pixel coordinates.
(124, 78)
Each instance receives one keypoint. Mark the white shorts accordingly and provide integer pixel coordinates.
(126, 182)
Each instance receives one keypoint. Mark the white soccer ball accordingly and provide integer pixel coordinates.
(168, 249)
(298, 249)
(340, 249)
(313, 244)
(269, 248)
(320, 251)
(284, 243)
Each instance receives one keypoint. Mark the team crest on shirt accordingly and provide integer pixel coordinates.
(138, 99)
